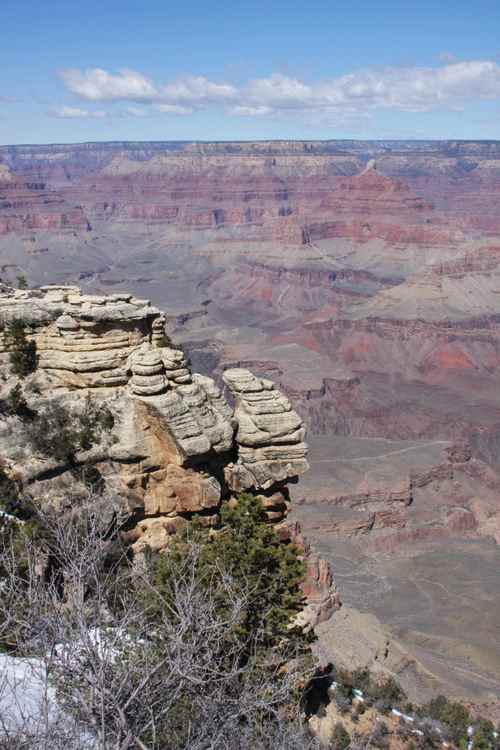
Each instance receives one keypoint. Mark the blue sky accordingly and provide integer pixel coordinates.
(168, 70)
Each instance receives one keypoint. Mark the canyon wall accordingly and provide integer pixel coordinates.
(363, 279)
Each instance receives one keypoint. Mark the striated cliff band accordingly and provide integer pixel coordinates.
(363, 279)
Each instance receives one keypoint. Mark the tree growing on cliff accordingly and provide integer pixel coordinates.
(59, 433)
(249, 550)
(168, 670)
(23, 355)
(454, 715)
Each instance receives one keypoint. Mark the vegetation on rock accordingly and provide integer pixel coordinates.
(16, 404)
(22, 282)
(58, 433)
(249, 550)
(161, 656)
(383, 693)
(23, 355)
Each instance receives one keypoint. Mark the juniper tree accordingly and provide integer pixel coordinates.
(165, 670)
(23, 355)
(250, 551)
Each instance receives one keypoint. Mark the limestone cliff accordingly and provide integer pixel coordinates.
(177, 449)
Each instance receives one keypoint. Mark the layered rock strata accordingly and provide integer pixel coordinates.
(270, 435)
(178, 449)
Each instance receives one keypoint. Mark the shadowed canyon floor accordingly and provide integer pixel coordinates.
(364, 279)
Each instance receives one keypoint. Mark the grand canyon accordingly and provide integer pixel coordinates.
(363, 278)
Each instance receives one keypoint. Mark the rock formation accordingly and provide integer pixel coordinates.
(178, 449)
(270, 435)
(368, 292)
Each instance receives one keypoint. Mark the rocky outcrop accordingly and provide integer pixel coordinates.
(270, 435)
(319, 588)
(178, 449)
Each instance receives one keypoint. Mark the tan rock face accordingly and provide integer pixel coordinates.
(270, 435)
(177, 448)
(168, 417)
(179, 490)
(83, 341)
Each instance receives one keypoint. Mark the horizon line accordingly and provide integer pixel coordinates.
(257, 140)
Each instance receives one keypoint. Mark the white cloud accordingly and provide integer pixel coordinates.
(196, 90)
(278, 91)
(73, 113)
(98, 85)
(408, 89)
(243, 110)
(174, 109)
(136, 112)
(404, 89)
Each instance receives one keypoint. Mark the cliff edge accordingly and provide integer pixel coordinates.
(179, 445)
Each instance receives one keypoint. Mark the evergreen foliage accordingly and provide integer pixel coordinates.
(22, 282)
(60, 434)
(484, 736)
(450, 713)
(17, 405)
(268, 571)
(382, 692)
(23, 356)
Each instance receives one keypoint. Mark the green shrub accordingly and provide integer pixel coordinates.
(92, 422)
(249, 550)
(23, 355)
(17, 405)
(53, 433)
(450, 713)
(58, 433)
(383, 693)
(484, 736)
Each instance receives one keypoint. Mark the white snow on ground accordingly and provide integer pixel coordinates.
(25, 695)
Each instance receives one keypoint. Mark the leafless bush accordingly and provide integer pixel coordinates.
(116, 671)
